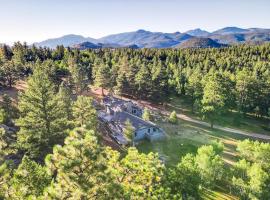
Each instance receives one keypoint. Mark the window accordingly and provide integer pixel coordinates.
(154, 129)
(149, 130)
(135, 134)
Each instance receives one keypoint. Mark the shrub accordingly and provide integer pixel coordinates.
(173, 118)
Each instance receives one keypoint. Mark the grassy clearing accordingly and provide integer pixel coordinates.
(231, 120)
(186, 137)
(216, 195)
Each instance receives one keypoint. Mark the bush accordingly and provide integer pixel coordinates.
(146, 115)
(173, 118)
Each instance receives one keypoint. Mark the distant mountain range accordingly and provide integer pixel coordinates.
(90, 45)
(196, 38)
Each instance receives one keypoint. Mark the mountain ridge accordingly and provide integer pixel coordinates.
(200, 42)
(147, 39)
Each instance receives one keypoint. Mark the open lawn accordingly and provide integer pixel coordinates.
(249, 123)
(186, 137)
(217, 195)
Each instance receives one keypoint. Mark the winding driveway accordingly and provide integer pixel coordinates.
(226, 129)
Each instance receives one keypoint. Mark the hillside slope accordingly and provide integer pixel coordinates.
(200, 43)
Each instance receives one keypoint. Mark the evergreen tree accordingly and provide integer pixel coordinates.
(5, 177)
(121, 84)
(102, 77)
(19, 54)
(77, 75)
(42, 122)
(245, 91)
(194, 88)
(65, 100)
(10, 73)
(81, 170)
(29, 180)
(84, 113)
(213, 102)
(146, 114)
(129, 131)
(3, 145)
(3, 116)
(5, 53)
(139, 175)
(9, 111)
(142, 79)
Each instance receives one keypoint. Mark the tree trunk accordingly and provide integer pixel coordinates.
(10, 82)
(102, 92)
(212, 124)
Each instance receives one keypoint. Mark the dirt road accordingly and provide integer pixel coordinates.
(226, 129)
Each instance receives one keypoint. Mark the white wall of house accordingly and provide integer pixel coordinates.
(151, 133)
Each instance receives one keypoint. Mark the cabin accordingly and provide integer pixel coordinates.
(113, 103)
(118, 111)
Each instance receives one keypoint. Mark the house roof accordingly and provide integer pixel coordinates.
(137, 123)
(114, 102)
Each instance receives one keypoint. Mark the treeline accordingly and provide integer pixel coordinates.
(215, 80)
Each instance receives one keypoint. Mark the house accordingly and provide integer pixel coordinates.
(128, 106)
(118, 111)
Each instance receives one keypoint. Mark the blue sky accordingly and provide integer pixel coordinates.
(36, 20)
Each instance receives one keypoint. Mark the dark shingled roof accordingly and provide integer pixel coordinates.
(137, 123)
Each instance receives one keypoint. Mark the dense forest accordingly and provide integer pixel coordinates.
(55, 151)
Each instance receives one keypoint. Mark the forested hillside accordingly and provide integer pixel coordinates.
(55, 150)
(242, 71)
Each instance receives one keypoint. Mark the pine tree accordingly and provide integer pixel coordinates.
(129, 131)
(120, 84)
(102, 77)
(213, 102)
(42, 122)
(10, 73)
(245, 90)
(77, 74)
(65, 100)
(29, 180)
(146, 114)
(142, 79)
(8, 111)
(194, 89)
(84, 113)
(3, 116)
(5, 53)
(3, 145)
(80, 167)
